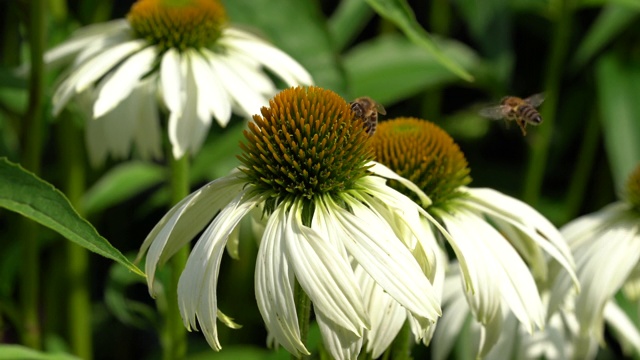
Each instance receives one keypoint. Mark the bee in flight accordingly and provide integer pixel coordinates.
(367, 110)
(513, 108)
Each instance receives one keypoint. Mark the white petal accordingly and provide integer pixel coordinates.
(197, 286)
(148, 133)
(341, 343)
(456, 312)
(244, 96)
(185, 220)
(188, 128)
(387, 316)
(372, 243)
(119, 125)
(323, 274)
(385, 172)
(603, 266)
(82, 38)
(95, 68)
(124, 79)
(215, 94)
(172, 76)
(485, 301)
(274, 282)
(276, 60)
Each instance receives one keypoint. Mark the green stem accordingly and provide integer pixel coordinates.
(586, 161)
(174, 335)
(79, 299)
(303, 306)
(540, 144)
(402, 344)
(32, 148)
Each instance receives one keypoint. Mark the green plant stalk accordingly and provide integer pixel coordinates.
(540, 144)
(303, 306)
(584, 166)
(32, 148)
(78, 297)
(174, 335)
(401, 347)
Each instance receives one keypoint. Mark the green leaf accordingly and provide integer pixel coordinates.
(390, 68)
(296, 27)
(630, 3)
(121, 183)
(399, 13)
(611, 22)
(348, 20)
(19, 352)
(618, 83)
(128, 311)
(32, 197)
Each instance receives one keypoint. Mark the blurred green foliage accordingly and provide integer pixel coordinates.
(414, 57)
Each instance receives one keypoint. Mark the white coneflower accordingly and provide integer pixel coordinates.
(606, 246)
(501, 243)
(180, 54)
(329, 219)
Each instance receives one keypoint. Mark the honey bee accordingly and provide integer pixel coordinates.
(366, 109)
(513, 108)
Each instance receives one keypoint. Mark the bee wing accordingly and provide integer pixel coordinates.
(493, 112)
(380, 109)
(535, 100)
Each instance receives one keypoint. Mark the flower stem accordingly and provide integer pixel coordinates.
(402, 344)
(79, 299)
(303, 306)
(540, 145)
(174, 337)
(584, 165)
(32, 131)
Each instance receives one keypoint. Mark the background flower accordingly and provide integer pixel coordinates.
(501, 243)
(606, 246)
(181, 56)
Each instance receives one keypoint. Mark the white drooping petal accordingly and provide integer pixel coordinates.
(185, 220)
(341, 343)
(372, 243)
(209, 86)
(456, 313)
(323, 274)
(526, 219)
(274, 59)
(500, 265)
(124, 79)
(172, 76)
(98, 66)
(387, 316)
(148, 133)
(197, 286)
(120, 123)
(485, 299)
(603, 266)
(245, 98)
(385, 172)
(94, 68)
(188, 128)
(83, 38)
(274, 283)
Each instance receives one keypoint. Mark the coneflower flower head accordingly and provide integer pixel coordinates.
(494, 237)
(331, 224)
(181, 56)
